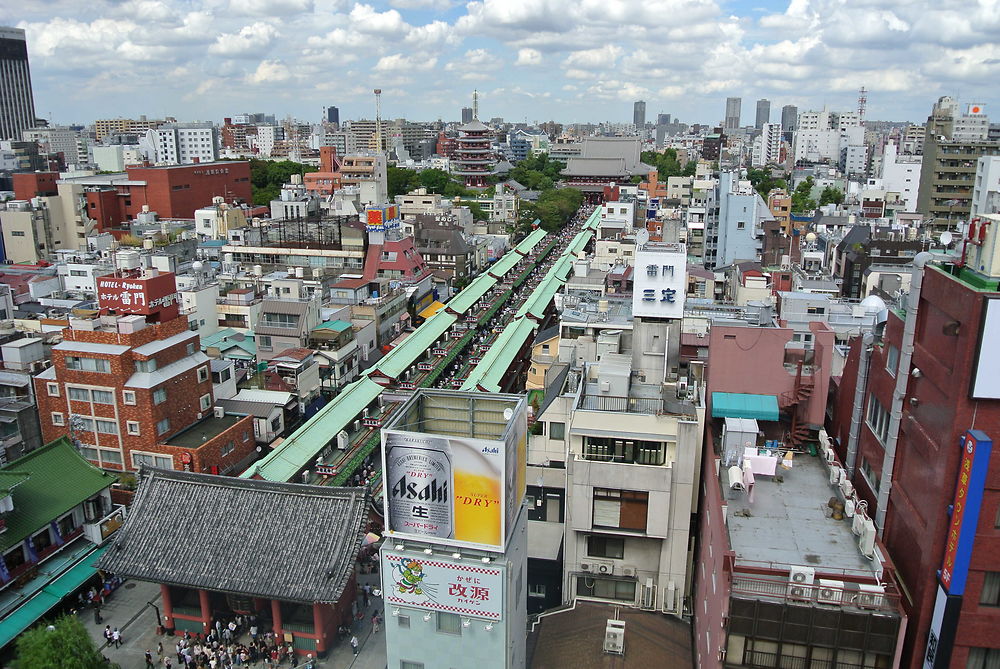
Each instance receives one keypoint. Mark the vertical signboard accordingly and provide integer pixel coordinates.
(986, 369)
(660, 280)
(976, 449)
(455, 490)
(437, 584)
(941, 636)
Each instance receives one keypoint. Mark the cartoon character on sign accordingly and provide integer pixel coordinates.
(411, 573)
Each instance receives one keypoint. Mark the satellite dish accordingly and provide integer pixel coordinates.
(946, 238)
(508, 413)
(641, 236)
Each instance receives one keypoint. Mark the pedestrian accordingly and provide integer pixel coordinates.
(97, 614)
(365, 594)
(149, 660)
(167, 664)
(354, 644)
(375, 621)
(116, 638)
(107, 634)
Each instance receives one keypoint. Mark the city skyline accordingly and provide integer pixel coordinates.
(530, 61)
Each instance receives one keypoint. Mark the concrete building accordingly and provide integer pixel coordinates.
(35, 229)
(732, 119)
(184, 143)
(18, 112)
(59, 140)
(113, 126)
(789, 118)
(767, 146)
(986, 190)
(763, 113)
(639, 115)
(901, 174)
(466, 115)
(737, 232)
(366, 171)
(854, 160)
(908, 399)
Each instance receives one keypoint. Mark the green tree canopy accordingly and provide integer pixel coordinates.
(802, 201)
(66, 646)
(831, 195)
(268, 176)
(667, 165)
(537, 172)
(554, 209)
(763, 182)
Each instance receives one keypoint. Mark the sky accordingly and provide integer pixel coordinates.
(531, 60)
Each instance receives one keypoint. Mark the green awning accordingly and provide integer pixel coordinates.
(48, 597)
(742, 405)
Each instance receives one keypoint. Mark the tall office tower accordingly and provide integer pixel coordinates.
(789, 117)
(333, 115)
(17, 110)
(663, 119)
(466, 115)
(639, 114)
(763, 113)
(733, 113)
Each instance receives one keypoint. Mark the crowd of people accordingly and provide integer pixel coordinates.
(222, 648)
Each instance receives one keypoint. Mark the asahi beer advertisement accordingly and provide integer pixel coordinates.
(455, 490)
(429, 582)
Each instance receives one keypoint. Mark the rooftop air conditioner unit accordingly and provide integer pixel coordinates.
(342, 440)
(836, 474)
(830, 592)
(614, 637)
(682, 387)
(800, 580)
(869, 596)
(628, 571)
(357, 425)
(220, 412)
(867, 541)
(846, 487)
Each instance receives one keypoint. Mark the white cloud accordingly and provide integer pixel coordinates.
(250, 40)
(398, 62)
(269, 72)
(594, 59)
(365, 19)
(422, 4)
(528, 57)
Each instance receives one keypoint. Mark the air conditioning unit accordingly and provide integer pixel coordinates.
(800, 580)
(614, 637)
(220, 412)
(648, 595)
(342, 440)
(867, 541)
(858, 523)
(869, 596)
(830, 592)
(682, 387)
(603, 568)
(846, 487)
(849, 508)
(587, 567)
(357, 425)
(836, 474)
(670, 598)
(628, 571)
(830, 456)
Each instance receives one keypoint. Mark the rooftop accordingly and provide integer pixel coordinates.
(202, 431)
(787, 521)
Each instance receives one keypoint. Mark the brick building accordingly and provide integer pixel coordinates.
(134, 391)
(173, 191)
(911, 394)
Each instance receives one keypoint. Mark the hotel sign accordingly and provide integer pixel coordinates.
(976, 449)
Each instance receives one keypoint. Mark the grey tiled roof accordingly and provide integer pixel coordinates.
(258, 538)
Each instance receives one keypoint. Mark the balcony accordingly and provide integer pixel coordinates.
(99, 530)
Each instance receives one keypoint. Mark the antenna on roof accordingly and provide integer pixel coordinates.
(475, 104)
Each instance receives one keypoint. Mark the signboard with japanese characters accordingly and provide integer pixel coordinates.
(430, 582)
(138, 295)
(976, 449)
(660, 280)
(382, 218)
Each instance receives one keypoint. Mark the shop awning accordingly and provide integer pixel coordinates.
(432, 309)
(743, 405)
(48, 597)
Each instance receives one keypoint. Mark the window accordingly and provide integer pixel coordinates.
(990, 595)
(449, 623)
(66, 525)
(159, 396)
(630, 451)
(202, 374)
(281, 320)
(52, 389)
(17, 233)
(406, 664)
(106, 426)
(606, 547)
(741, 225)
(620, 509)
(605, 588)
(79, 394)
(874, 480)
(892, 359)
(404, 621)
(152, 460)
(146, 366)
(878, 418)
(227, 448)
(77, 272)
(190, 348)
(88, 452)
(983, 658)
(111, 457)
(816, 311)
(163, 426)
(557, 431)
(132, 427)
(128, 397)
(57, 418)
(536, 590)
(88, 364)
(205, 402)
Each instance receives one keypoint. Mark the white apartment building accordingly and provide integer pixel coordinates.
(986, 188)
(767, 146)
(182, 144)
(901, 174)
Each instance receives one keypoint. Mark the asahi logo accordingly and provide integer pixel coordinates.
(422, 491)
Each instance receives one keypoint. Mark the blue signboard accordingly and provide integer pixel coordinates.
(976, 449)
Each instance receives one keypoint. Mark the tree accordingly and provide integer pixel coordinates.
(801, 197)
(65, 644)
(400, 181)
(268, 176)
(763, 182)
(831, 195)
(477, 212)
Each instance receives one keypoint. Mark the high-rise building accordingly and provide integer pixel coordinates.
(763, 113)
(733, 113)
(663, 119)
(184, 143)
(639, 114)
(466, 115)
(333, 115)
(789, 118)
(767, 146)
(18, 109)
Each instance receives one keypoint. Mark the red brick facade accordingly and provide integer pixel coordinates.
(179, 392)
(32, 184)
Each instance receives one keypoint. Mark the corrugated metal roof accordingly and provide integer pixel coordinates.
(306, 553)
(488, 374)
(88, 347)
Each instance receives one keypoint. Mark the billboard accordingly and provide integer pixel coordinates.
(429, 582)
(986, 370)
(139, 295)
(382, 218)
(456, 490)
(976, 449)
(659, 280)
(941, 635)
